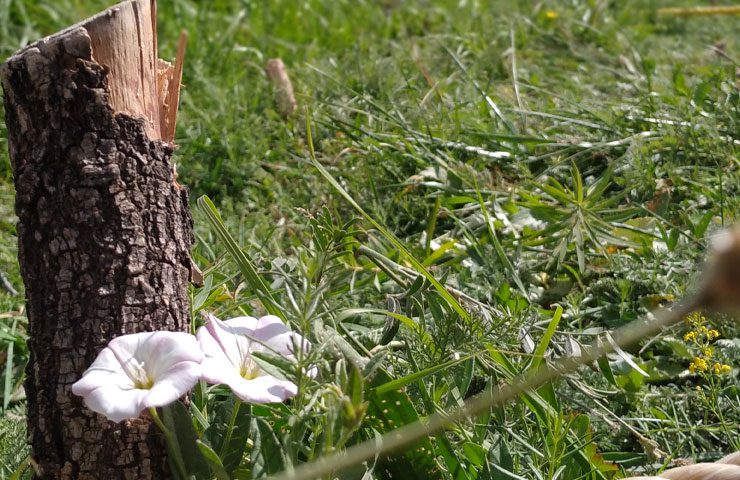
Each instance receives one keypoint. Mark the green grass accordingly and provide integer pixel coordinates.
(618, 132)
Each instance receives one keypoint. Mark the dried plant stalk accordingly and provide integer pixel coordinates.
(700, 11)
(284, 96)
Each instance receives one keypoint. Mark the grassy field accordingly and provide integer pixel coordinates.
(533, 156)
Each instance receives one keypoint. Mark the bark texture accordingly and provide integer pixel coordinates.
(104, 239)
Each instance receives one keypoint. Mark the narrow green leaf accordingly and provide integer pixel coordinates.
(393, 409)
(405, 380)
(455, 466)
(355, 385)
(539, 352)
(179, 422)
(499, 248)
(506, 474)
(406, 321)
(599, 187)
(21, 469)
(606, 370)
(199, 417)
(578, 181)
(229, 432)
(217, 468)
(275, 365)
(415, 287)
(8, 380)
(375, 362)
(245, 264)
(383, 230)
(439, 252)
(475, 453)
(203, 294)
(464, 380)
(267, 455)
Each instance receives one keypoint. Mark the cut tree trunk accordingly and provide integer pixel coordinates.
(104, 230)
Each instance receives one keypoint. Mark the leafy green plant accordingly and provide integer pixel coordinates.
(581, 218)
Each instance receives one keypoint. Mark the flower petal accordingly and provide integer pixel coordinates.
(173, 384)
(269, 327)
(287, 344)
(138, 371)
(232, 340)
(264, 389)
(215, 356)
(242, 325)
(116, 404)
(170, 349)
(216, 372)
(157, 351)
(105, 370)
(228, 344)
(269, 331)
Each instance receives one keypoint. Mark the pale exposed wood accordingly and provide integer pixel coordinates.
(164, 75)
(124, 40)
(169, 83)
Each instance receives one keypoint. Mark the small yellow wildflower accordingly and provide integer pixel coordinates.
(721, 368)
(702, 335)
(551, 15)
(698, 365)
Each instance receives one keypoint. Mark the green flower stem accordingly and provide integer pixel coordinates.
(172, 445)
(230, 430)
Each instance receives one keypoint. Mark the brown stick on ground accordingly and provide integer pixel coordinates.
(700, 11)
(104, 235)
(284, 96)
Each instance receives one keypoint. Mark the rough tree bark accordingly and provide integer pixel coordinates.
(104, 231)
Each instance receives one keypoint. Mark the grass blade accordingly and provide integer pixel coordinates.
(383, 230)
(499, 248)
(8, 383)
(539, 352)
(405, 380)
(245, 264)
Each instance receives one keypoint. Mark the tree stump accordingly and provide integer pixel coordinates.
(104, 230)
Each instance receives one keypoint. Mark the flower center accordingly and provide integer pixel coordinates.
(138, 374)
(249, 369)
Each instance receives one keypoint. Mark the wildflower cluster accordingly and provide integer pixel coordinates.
(153, 369)
(701, 335)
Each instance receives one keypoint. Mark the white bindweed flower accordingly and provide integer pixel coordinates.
(138, 371)
(228, 347)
